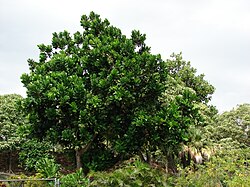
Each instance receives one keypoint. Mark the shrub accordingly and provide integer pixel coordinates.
(76, 179)
(133, 174)
(227, 168)
(47, 168)
(31, 182)
(32, 151)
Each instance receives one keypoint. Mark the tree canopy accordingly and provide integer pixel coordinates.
(10, 119)
(98, 89)
(230, 129)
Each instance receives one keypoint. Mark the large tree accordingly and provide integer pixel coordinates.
(98, 89)
(92, 86)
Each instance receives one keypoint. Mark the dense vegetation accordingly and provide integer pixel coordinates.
(101, 110)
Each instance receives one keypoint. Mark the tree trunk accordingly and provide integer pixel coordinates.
(10, 162)
(185, 157)
(148, 157)
(81, 151)
(141, 156)
(171, 166)
(78, 159)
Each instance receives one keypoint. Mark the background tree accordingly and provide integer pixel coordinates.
(11, 118)
(230, 129)
(184, 75)
(188, 94)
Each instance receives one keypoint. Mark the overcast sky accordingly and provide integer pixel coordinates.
(213, 34)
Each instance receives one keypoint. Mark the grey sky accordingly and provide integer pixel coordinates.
(213, 34)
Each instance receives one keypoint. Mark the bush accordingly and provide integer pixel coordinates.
(47, 168)
(133, 174)
(32, 151)
(32, 182)
(227, 168)
(76, 179)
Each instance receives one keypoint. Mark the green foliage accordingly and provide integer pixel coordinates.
(230, 129)
(47, 168)
(189, 92)
(186, 109)
(227, 168)
(133, 174)
(98, 88)
(92, 86)
(11, 118)
(32, 151)
(32, 181)
(76, 179)
(99, 158)
(184, 76)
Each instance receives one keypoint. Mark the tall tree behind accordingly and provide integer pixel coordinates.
(190, 93)
(231, 129)
(11, 118)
